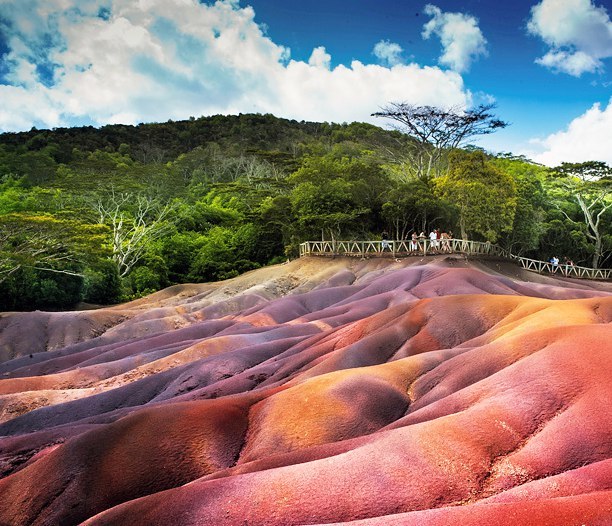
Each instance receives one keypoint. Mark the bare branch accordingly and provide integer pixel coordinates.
(590, 185)
(135, 221)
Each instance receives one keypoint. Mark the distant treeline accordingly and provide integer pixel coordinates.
(164, 142)
(103, 215)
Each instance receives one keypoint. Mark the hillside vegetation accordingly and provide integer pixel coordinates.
(109, 214)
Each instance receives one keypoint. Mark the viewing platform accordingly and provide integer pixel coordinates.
(426, 247)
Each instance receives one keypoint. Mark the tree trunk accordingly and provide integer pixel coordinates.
(462, 227)
(597, 255)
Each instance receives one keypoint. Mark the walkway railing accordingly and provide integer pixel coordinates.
(424, 247)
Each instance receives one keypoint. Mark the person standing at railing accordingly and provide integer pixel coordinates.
(385, 242)
(423, 242)
(414, 243)
(445, 237)
(433, 241)
(554, 264)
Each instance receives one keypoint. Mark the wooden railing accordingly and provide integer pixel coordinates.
(424, 247)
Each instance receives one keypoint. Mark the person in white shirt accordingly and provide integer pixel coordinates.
(433, 238)
(554, 261)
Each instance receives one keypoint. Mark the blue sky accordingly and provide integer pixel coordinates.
(536, 100)
(546, 64)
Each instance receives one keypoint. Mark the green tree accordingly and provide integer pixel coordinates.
(275, 221)
(102, 284)
(221, 255)
(590, 185)
(178, 251)
(329, 209)
(14, 197)
(412, 206)
(484, 196)
(35, 167)
(29, 289)
(529, 219)
(331, 194)
(47, 244)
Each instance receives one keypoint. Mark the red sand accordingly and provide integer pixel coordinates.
(323, 391)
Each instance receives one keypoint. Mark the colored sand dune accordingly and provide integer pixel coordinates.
(317, 392)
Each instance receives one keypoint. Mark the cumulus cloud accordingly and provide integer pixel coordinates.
(578, 33)
(389, 53)
(320, 58)
(587, 138)
(461, 38)
(105, 61)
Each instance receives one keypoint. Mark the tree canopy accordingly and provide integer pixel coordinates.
(436, 131)
(590, 185)
(484, 196)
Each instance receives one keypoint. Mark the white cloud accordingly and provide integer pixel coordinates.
(75, 61)
(587, 138)
(21, 109)
(578, 32)
(320, 58)
(389, 53)
(344, 94)
(461, 38)
(575, 63)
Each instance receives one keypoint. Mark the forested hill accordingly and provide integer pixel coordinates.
(163, 142)
(109, 214)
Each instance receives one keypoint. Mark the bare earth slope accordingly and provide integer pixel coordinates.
(322, 391)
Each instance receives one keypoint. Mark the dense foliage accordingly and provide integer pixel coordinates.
(103, 215)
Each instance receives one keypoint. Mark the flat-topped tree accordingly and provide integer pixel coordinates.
(589, 184)
(437, 130)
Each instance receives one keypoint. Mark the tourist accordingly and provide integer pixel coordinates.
(446, 247)
(414, 244)
(433, 243)
(554, 261)
(385, 242)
